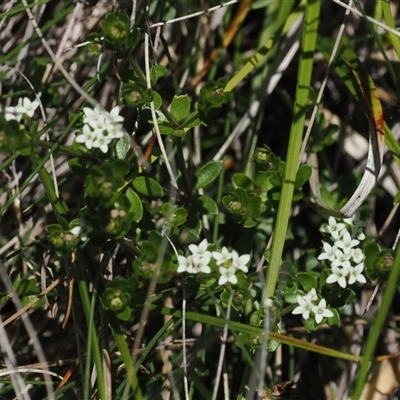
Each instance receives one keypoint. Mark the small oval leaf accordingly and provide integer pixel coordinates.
(208, 205)
(136, 205)
(122, 147)
(242, 180)
(208, 173)
(147, 186)
(180, 107)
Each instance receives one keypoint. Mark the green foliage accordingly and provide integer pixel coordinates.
(147, 186)
(117, 297)
(134, 94)
(116, 202)
(206, 174)
(12, 137)
(118, 35)
(174, 216)
(244, 208)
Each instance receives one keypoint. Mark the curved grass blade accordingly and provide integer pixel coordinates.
(361, 85)
(257, 331)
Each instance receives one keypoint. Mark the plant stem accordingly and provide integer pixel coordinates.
(309, 40)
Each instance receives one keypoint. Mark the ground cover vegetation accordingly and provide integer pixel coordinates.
(198, 200)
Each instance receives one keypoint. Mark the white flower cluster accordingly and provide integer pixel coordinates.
(228, 262)
(24, 107)
(100, 128)
(346, 259)
(309, 305)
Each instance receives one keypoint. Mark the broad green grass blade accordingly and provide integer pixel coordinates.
(256, 331)
(309, 40)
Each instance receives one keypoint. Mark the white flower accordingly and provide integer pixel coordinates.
(357, 255)
(201, 249)
(104, 127)
(115, 131)
(240, 262)
(185, 265)
(355, 274)
(99, 124)
(87, 137)
(11, 114)
(305, 303)
(91, 116)
(227, 275)
(223, 257)
(341, 259)
(101, 142)
(114, 117)
(312, 294)
(193, 264)
(334, 228)
(346, 242)
(201, 264)
(329, 253)
(320, 311)
(338, 275)
(25, 106)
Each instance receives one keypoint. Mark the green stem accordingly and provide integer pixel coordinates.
(60, 207)
(135, 66)
(67, 150)
(193, 117)
(309, 40)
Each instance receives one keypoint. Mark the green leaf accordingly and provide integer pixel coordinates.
(335, 320)
(273, 345)
(136, 205)
(208, 173)
(156, 72)
(157, 100)
(78, 166)
(207, 205)
(134, 39)
(165, 128)
(242, 180)
(178, 132)
(180, 107)
(147, 186)
(29, 290)
(302, 176)
(253, 206)
(174, 216)
(120, 167)
(122, 147)
(310, 325)
(307, 280)
(249, 223)
(124, 314)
